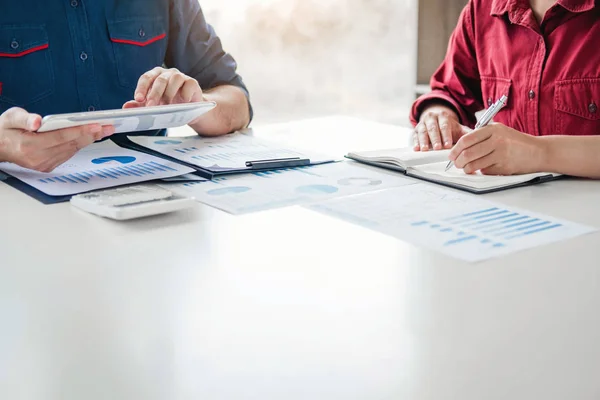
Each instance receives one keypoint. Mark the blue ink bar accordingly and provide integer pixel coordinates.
(154, 167)
(446, 230)
(496, 218)
(504, 228)
(59, 179)
(69, 179)
(100, 174)
(132, 171)
(87, 174)
(145, 169)
(163, 166)
(486, 241)
(138, 170)
(50, 180)
(180, 151)
(81, 176)
(43, 181)
(461, 240)
(435, 226)
(503, 223)
(546, 228)
(472, 214)
(109, 174)
(77, 179)
(499, 245)
(421, 223)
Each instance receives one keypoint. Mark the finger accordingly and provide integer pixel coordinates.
(145, 83)
(176, 82)
(433, 130)
(481, 163)
(423, 137)
(158, 89)
(447, 128)
(51, 139)
(469, 140)
(415, 139)
(473, 153)
(133, 104)
(190, 91)
(17, 118)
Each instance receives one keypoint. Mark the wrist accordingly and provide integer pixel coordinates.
(545, 151)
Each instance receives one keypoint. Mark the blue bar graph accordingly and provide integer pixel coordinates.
(494, 227)
(109, 173)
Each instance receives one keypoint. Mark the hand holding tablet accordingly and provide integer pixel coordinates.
(131, 119)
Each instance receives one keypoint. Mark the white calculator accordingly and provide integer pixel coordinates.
(131, 202)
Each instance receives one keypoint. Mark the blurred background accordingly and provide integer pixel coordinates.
(311, 58)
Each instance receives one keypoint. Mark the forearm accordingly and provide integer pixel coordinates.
(232, 112)
(572, 155)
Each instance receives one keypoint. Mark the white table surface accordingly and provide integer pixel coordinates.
(290, 304)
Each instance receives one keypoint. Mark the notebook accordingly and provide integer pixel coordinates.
(430, 166)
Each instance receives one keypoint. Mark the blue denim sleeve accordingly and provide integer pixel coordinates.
(195, 49)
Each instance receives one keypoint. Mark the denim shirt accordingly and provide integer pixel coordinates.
(61, 56)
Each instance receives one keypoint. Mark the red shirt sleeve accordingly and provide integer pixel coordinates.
(457, 80)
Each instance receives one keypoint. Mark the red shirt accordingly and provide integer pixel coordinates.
(550, 71)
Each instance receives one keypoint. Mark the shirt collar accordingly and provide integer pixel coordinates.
(515, 7)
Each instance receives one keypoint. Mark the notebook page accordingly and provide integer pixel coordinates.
(403, 157)
(455, 175)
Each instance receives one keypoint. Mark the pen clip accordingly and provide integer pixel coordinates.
(278, 163)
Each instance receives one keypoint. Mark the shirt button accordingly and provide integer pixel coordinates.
(74, 3)
(91, 108)
(490, 101)
(14, 45)
(593, 108)
(83, 56)
(531, 95)
(141, 32)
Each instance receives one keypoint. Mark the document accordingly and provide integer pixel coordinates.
(259, 191)
(224, 153)
(431, 166)
(459, 225)
(101, 165)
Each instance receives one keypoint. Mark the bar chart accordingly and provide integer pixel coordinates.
(455, 224)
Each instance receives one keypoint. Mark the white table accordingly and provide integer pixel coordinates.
(291, 304)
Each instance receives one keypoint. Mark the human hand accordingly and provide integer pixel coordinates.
(161, 86)
(42, 152)
(497, 149)
(438, 128)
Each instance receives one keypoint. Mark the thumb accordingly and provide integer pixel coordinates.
(17, 118)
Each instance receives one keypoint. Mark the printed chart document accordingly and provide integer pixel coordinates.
(224, 154)
(431, 165)
(459, 225)
(261, 191)
(98, 166)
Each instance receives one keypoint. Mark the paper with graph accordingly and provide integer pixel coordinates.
(259, 191)
(98, 166)
(459, 225)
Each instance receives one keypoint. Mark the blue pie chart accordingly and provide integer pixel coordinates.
(228, 190)
(119, 159)
(316, 189)
(168, 141)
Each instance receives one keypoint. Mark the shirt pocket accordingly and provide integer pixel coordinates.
(26, 73)
(139, 45)
(576, 104)
(492, 89)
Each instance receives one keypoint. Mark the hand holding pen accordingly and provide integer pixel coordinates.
(487, 117)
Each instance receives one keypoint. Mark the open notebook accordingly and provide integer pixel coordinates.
(430, 166)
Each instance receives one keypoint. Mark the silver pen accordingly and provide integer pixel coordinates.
(487, 117)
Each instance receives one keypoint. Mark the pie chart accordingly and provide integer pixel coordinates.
(117, 159)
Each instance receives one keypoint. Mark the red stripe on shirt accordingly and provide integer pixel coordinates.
(141, 44)
(24, 53)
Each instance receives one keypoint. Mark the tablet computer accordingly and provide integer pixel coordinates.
(131, 119)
